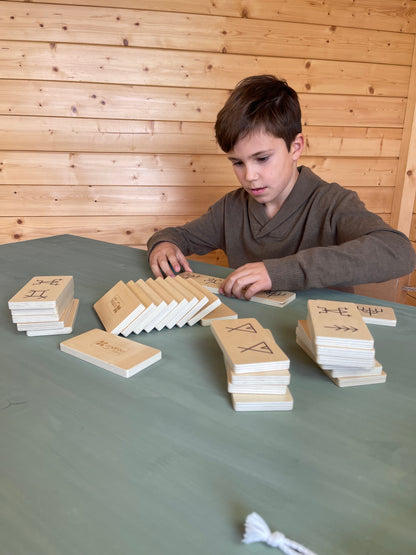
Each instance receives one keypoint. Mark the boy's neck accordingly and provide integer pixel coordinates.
(273, 208)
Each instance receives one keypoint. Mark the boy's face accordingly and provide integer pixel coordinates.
(265, 168)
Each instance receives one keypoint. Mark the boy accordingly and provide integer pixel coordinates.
(285, 228)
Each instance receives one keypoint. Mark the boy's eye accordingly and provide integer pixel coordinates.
(237, 163)
(263, 158)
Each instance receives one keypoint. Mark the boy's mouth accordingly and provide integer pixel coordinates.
(258, 191)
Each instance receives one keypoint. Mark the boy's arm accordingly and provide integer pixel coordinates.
(359, 261)
(168, 247)
(356, 246)
(374, 257)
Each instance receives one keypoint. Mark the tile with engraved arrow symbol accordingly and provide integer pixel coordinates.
(342, 328)
(328, 325)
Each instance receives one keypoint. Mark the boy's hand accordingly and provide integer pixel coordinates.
(165, 257)
(246, 281)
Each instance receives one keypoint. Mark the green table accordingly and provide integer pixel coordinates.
(91, 463)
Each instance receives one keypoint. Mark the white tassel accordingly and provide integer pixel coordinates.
(256, 530)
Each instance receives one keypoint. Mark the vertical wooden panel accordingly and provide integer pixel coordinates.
(404, 198)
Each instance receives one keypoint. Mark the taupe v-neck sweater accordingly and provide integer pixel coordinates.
(322, 236)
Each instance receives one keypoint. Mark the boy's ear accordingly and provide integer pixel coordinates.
(297, 145)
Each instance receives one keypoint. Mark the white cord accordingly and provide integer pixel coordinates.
(256, 530)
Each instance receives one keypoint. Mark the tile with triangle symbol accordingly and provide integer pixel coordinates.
(247, 346)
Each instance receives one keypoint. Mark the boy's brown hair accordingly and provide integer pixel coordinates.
(260, 102)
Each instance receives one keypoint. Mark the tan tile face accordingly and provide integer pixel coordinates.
(43, 292)
(337, 323)
(118, 308)
(247, 346)
(106, 350)
(381, 315)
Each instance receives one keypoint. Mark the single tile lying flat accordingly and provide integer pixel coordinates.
(271, 402)
(119, 355)
(223, 312)
(381, 315)
(350, 381)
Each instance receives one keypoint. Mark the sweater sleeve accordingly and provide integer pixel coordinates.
(199, 236)
(365, 250)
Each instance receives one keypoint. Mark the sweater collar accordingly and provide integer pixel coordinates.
(304, 187)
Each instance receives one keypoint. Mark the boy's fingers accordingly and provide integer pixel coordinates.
(231, 286)
(167, 262)
(246, 281)
(183, 263)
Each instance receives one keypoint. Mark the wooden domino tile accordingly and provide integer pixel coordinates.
(223, 312)
(349, 381)
(185, 293)
(171, 303)
(262, 402)
(213, 302)
(182, 306)
(200, 296)
(159, 303)
(247, 346)
(44, 292)
(337, 323)
(381, 315)
(118, 308)
(347, 372)
(211, 283)
(149, 312)
(113, 353)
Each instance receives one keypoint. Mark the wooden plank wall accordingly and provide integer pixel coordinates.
(107, 106)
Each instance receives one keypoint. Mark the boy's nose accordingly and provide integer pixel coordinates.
(251, 173)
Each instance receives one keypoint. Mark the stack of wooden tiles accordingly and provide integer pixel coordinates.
(336, 337)
(272, 297)
(45, 306)
(154, 304)
(257, 369)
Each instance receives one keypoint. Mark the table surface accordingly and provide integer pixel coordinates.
(160, 463)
